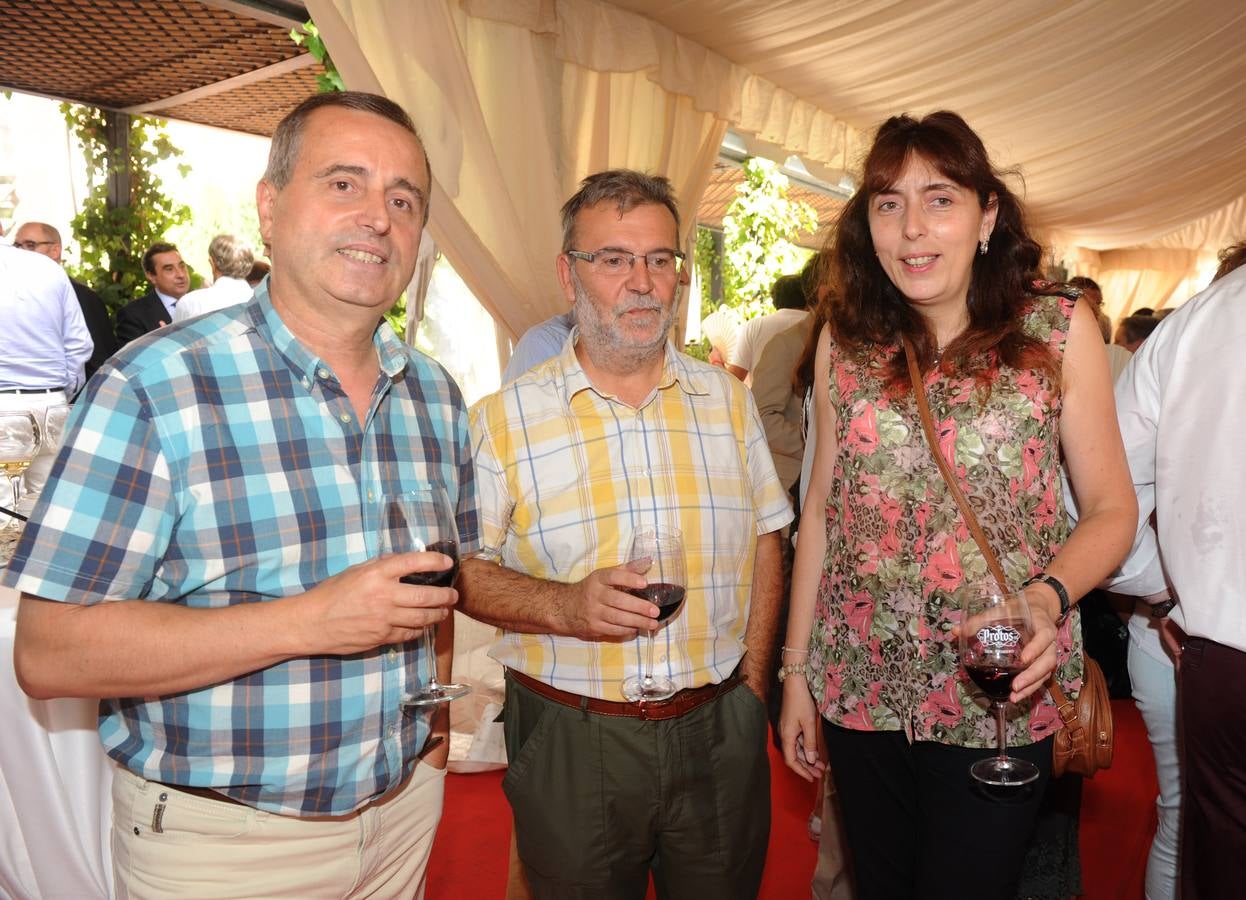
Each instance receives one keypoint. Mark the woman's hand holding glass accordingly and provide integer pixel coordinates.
(1039, 655)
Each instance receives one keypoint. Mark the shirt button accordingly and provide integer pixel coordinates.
(306, 381)
(345, 417)
(371, 496)
(389, 732)
(322, 373)
(393, 654)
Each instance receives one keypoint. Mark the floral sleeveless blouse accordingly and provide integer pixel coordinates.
(900, 560)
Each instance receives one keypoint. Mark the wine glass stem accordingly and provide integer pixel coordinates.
(15, 481)
(649, 667)
(1001, 739)
(430, 650)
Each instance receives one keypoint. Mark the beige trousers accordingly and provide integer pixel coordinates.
(832, 879)
(167, 843)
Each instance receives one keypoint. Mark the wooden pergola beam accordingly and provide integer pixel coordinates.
(302, 61)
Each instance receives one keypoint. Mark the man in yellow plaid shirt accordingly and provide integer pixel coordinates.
(617, 432)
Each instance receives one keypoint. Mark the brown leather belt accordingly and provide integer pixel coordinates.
(683, 702)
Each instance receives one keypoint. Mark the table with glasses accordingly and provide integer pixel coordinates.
(55, 790)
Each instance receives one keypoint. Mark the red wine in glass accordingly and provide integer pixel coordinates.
(423, 519)
(443, 578)
(663, 548)
(994, 680)
(995, 630)
(666, 597)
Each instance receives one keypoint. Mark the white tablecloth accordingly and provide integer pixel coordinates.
(55, 790)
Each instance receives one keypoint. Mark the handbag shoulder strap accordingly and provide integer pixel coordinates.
(1063, 705)
(932, 441)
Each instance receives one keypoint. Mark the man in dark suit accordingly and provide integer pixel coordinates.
(44, 238)
(169, 281)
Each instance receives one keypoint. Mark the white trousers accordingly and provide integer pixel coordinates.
(167, 843)
(1155, 694)
(37, 475)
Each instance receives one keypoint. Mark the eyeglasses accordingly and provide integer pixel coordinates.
(610, 262)
(34, 245)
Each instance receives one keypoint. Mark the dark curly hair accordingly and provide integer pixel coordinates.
(1230, 258)
(865, 309)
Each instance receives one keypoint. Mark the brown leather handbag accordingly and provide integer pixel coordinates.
(1084, 744)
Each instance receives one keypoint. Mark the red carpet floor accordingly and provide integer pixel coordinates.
(1118, 819)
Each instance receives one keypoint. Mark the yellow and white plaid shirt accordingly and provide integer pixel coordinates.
(566, 473)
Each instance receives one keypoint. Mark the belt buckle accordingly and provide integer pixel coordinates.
(661, 706)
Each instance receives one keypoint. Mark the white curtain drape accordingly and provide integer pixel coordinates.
(1153, 277)
(417, 290)
(512, 124)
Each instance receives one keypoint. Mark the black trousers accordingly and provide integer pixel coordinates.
(919, 826)
(1211, 703)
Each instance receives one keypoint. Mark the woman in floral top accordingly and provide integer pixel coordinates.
(934, 247)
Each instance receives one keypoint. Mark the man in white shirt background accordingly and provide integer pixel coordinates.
(41, 237)
(1180, 404)
(790, 304)
(44, 345)
(231, 260)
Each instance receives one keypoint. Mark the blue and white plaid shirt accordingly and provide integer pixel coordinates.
(219, 462)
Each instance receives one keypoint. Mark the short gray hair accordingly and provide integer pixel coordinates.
(626, 188)
(230, 256)
(288, 136)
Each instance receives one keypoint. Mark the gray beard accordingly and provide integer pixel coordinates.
(602, 340)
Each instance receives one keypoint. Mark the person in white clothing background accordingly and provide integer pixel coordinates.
(790, 296)
(231, 261)
(1180, 404)
(44, 346)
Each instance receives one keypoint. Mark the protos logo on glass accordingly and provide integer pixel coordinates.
(999, 636)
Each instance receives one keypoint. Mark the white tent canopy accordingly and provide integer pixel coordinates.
(1123, 116)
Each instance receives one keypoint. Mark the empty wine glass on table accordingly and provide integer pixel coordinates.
(20, 439)
(423, 519)
(664, 549)
(990, 651)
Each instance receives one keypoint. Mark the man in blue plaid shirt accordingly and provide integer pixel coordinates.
(201, 559)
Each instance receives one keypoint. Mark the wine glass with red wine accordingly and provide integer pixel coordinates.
(990, 651)
(423, 519)
(664, 549)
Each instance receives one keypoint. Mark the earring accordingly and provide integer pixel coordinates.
(983, 245)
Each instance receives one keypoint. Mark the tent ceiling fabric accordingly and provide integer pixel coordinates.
(1124, 116)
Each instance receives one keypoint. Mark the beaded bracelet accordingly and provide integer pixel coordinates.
(793, 650)
(791, 669)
